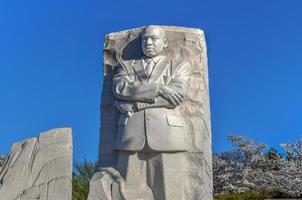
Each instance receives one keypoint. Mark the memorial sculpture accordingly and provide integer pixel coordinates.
(155, 138)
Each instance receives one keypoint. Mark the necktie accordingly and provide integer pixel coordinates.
(149, 67)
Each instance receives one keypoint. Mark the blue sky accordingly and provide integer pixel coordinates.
(51, 65)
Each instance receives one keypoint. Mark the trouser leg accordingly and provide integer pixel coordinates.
(132, 167)
(149, 175)
(166, 175)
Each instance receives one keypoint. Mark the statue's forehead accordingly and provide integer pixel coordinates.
(153, 32)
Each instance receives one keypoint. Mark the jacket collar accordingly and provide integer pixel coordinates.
(160, 66)
(158, 69)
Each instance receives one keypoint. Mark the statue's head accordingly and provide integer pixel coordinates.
(153, 41)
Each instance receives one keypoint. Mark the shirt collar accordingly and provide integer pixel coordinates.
(155, 59)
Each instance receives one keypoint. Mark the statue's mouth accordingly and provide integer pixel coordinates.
(149, 49)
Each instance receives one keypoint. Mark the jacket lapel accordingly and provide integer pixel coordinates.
(140, 71)
(158, 69)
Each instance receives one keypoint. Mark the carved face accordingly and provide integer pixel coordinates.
(153, 41)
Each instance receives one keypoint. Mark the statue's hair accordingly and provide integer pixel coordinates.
(162, 31)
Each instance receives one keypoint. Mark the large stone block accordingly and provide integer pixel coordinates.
(184, 44)
(39, 168)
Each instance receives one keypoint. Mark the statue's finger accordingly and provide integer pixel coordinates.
(179, 93)
(177, 101)
(179, 97)
(172, 101)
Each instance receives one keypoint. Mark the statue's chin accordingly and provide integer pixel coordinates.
(150, 55)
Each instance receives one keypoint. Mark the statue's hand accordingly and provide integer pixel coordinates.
(173, 96)
(123, 107)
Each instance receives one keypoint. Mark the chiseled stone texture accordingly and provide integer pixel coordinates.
(183, 44)
(101, 184)
(39, 168)
(2, 160)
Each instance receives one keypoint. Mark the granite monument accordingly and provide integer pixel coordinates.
(155, 137)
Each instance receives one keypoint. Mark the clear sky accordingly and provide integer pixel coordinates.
(51, 65)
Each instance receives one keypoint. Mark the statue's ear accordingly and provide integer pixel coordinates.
(165, 43)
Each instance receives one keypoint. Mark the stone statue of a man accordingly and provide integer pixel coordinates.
(151, 138)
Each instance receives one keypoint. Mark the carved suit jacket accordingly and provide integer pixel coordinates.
(151, 118)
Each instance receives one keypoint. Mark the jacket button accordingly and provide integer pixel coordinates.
(148, 118)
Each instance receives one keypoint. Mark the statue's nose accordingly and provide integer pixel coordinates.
(148, 41)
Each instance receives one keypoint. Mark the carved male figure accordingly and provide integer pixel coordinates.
(151, 134)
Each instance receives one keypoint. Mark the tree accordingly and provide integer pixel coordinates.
(293, 150)
(252, 167)
(81, 177)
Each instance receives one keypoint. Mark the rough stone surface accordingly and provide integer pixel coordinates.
(2, 160)
(39, 168)
(183, 44)
(101, 182)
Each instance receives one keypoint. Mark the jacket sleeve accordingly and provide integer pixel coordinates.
(130, 90)
(179, 82)
(180, 79)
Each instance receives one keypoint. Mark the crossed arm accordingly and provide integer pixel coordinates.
(150, 95)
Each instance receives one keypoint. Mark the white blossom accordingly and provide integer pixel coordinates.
(254, 167)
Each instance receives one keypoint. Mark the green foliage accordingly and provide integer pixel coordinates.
(80, 182)
(253, 195)
(79, 190)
